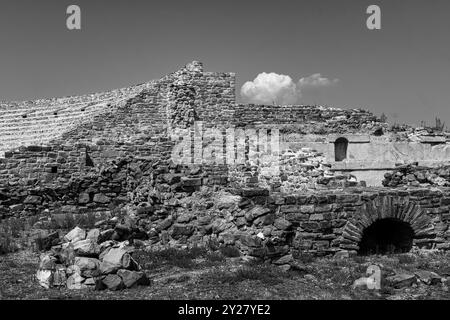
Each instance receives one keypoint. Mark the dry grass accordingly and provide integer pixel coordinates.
(197, 274)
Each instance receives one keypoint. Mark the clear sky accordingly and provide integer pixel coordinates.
(402, 70)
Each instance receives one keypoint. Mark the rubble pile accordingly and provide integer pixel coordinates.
(86, 260)
(417, 176)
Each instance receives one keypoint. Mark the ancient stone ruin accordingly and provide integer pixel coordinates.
(183, 164)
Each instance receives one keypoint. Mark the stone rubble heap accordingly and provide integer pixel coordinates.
(89, 260)
(417, 176)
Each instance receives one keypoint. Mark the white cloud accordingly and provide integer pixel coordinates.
(316, 80)
(269, 88)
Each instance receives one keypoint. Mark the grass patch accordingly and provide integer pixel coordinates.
(69, 221)
(10, 232)
(230, 251)
(265, 274)
(305, 258)
(170, 257)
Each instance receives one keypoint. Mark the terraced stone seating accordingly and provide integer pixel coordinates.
(38, 122)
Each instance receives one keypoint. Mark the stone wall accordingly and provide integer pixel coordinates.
(140, 125)
(38, 122)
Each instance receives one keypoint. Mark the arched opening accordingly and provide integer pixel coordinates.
(340, 149)
(378, 132)
(386, 236)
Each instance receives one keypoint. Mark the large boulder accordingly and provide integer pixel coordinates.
(108, 267)
(428, 277)
(75, 282)
(87, 264)
(118, 256)
(93, 234)
(401, 280)
(87, 247)
(75, 235)
(113, 282)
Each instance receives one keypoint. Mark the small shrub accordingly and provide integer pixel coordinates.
(69, 221)
(215, 257)
(62, 221)
(213, 245)
(7, 245)
(87, 220)
(10, 230)
(359, 259)
(406, 259)
(230, 251)
(305, 258)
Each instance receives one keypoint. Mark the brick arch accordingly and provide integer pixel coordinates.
(384, 207)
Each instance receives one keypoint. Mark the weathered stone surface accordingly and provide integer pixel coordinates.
(90, 282)
(180, 230)
(282, 224)
(75, 235)
(250, 241)
(118, 257)
(113, 282)
(84, 263)
(428, 277)
(87, 247)
(33, 200)
(75, 282)
(101, 198)
(83, 198)
(108, 267)
(401, 280)
(166, 223)
(225, 200)
(93, 234)
(256, 212)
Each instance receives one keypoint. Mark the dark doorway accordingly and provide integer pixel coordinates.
(386, 236)
(340, 149)
(88, 160)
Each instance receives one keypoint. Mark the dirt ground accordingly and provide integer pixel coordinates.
(206, 277)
